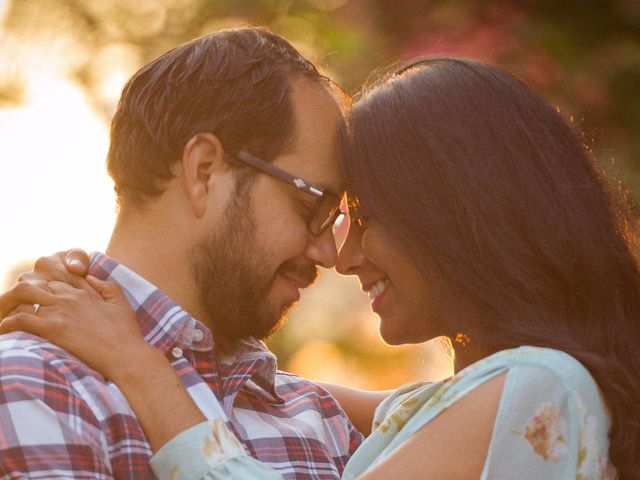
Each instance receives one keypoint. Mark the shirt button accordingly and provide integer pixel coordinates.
(198, 335)
(176, 352)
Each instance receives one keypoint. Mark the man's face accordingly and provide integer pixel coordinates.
(250, 268)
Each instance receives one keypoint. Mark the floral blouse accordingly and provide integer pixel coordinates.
(551, 423)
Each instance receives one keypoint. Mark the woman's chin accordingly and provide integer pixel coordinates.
(394, 337)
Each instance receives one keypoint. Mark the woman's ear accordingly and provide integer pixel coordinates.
(203, 160)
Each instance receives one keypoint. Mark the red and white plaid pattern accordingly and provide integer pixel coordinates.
(60, 419)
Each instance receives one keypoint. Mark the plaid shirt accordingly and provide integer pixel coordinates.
(60, 419)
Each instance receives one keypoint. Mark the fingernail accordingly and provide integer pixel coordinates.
(75, 262)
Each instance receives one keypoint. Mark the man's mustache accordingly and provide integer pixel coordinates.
(306, 271)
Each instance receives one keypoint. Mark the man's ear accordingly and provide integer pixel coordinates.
(202, 160)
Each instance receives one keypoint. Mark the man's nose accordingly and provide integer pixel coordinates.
(322, 249)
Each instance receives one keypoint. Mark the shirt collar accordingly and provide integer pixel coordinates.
(166, 325)
(255, 362)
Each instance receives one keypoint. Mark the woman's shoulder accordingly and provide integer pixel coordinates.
(551, 414)
(536, 367)
(529, 370)
(528, 354)
(562, 364)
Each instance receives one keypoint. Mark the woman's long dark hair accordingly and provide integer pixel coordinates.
(509, 219)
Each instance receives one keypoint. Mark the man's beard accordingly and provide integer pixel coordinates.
(234, 277)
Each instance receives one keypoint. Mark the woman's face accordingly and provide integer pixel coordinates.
(398, 292)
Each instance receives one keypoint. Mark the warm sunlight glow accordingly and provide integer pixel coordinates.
(54, 190)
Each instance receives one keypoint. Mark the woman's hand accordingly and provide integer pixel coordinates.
(93, 322)
(68, 266)
(96, 324)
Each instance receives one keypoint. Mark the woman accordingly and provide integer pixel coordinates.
(476, 215)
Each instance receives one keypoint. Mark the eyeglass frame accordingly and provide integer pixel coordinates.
(300, 184)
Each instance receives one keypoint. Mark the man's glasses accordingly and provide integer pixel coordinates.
(326, 212)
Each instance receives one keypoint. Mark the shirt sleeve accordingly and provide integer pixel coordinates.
(208, 450)
(395, 399)
(355, 440)
(46, 429)
(545, 429)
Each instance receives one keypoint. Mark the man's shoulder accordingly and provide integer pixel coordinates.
(59, 415)
(33, 368)
(27, 346)
(29, 360)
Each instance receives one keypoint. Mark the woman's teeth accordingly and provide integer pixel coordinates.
(378, 288)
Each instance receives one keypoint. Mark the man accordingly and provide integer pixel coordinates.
(222, 155)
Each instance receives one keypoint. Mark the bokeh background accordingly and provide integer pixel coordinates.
(64, 62)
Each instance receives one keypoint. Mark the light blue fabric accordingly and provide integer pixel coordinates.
(551, 423)
(208, 450)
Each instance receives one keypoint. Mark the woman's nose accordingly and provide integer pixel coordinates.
(351, 256)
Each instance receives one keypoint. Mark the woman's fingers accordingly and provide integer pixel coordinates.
(76, 261)
(99, 331)
(34, 279)
(54, 268)
(62, 288)
(27, 308)
(24, 292)
(46, 323)
(24, 322)
(109, 291)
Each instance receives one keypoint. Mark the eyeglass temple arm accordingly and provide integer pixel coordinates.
(281, 174)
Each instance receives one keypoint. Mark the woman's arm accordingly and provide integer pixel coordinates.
(153, 389)
(453, 445)
(359, 405)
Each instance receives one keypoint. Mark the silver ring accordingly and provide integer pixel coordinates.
(36, 307)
